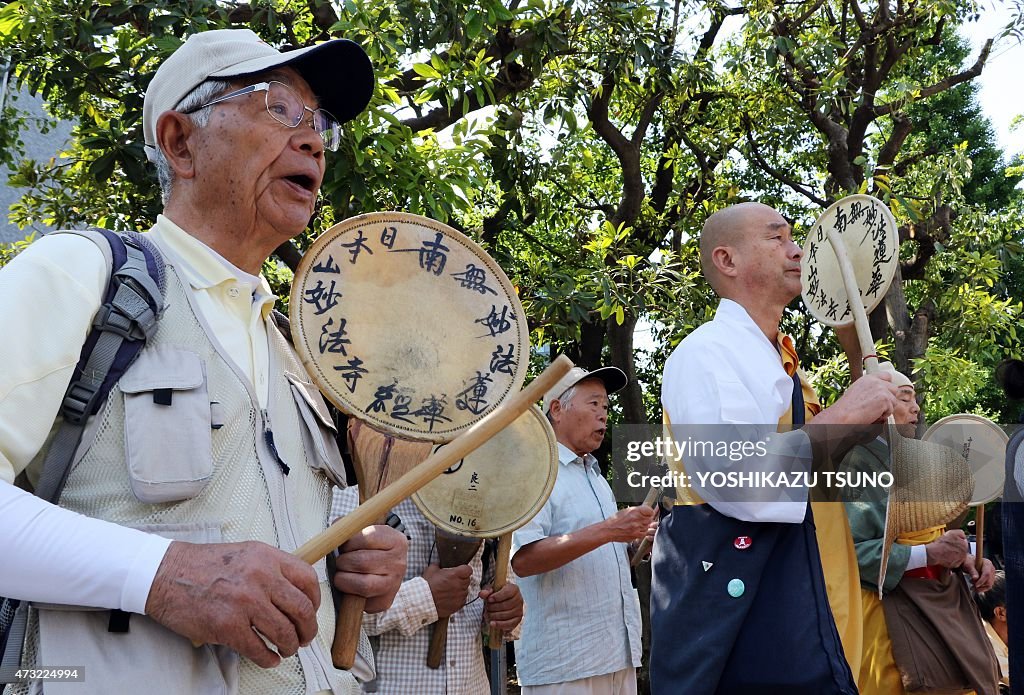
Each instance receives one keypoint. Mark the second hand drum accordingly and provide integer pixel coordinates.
(491, 492)
(983, 444)
(408, 327)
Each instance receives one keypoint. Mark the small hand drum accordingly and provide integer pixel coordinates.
(408, 325)
(869, 234)
(982, 443)
(500, 486)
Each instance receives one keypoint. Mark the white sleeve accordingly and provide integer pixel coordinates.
(918, 558)
(537, 528)
(49, 295)
(705, 405)
(54, 555)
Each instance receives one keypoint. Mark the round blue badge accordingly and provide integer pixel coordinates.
(736, 588)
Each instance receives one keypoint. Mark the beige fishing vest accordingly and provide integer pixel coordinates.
(201, 469)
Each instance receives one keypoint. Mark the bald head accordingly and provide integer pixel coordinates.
(732, 228)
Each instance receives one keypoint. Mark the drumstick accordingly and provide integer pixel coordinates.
(653, 496)
(494, 635)
(376, 507)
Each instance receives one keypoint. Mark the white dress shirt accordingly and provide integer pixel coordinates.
(725, 381)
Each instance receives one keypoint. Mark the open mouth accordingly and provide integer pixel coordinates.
(303, 181)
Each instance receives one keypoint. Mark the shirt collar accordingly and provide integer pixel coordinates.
(567, 456)
(734, 313)
(204, 268)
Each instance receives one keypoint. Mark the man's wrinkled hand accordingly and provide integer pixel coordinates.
(503, 609)
(870, 399)
(984, 580)
(372, 565)
(449, 587)
(628, 524)
(948, 550)
(222, 593)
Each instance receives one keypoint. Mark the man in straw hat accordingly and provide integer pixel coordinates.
(215, 443)
(738, 600)
(581, 632)
(941, 641)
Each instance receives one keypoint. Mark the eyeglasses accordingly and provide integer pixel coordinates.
(287, 108)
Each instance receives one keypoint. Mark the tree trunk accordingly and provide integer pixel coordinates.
(620, 343)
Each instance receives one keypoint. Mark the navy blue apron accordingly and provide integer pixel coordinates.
(776, 636)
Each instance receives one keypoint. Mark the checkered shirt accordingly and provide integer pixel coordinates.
(401, 634)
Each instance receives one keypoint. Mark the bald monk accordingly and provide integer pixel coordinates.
(739, 601)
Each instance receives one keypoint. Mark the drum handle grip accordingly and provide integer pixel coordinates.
(979, 536)
(860, 317)
(494, 634)
(651, 500)
(377, 507)
(346, 631)
(438, 640)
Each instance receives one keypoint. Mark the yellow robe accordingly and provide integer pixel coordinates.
(878, 672)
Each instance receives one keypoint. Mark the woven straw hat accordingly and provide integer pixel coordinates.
(932, 485)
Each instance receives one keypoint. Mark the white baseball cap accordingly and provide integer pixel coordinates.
(338, 71)
(614, 379)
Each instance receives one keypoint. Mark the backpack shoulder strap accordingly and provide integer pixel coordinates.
(126, 319)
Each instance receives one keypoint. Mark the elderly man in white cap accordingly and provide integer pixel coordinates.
(919, 557)
(187, 501)
(581, 632)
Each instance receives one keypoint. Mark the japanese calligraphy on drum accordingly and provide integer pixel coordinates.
(983, 445)
(500, 486)
(868, 231)
(408, 325)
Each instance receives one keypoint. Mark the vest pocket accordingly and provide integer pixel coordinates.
(168, 436)
(318, 430)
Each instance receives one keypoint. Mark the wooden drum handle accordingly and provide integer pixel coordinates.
(494, 635)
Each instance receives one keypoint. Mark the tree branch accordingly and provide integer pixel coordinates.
(516, 80)
(933, 230)
(945, 83)
(775, 173)
(902, 127)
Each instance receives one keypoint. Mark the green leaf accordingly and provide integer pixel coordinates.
(474, 24)
(10, 19)
(425, 70)
(102, 167)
